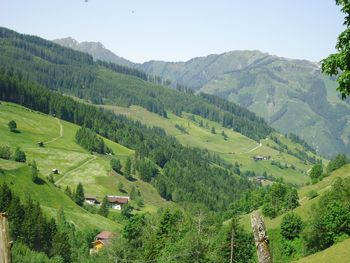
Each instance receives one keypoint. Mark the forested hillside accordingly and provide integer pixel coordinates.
(77, 74)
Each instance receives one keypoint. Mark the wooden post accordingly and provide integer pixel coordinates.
(5, 244)
(261, 239)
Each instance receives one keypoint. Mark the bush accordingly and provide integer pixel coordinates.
(19, 156)
(291, 226)
(316, 173)
(12, 126)
(5, 152)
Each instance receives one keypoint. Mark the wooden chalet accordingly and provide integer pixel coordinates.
(101, 240)
(116, 202)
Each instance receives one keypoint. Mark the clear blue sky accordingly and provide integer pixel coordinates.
(177, 30)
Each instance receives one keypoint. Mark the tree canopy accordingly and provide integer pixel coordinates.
(338, 64)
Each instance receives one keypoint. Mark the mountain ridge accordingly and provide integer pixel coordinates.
(281, 90)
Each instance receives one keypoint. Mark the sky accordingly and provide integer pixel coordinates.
(178, 30)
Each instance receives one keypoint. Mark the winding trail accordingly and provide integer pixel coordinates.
(61, 132)
(79, 166)
(257, 147)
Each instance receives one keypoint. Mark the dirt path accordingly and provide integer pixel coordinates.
(67, 173)
(61, 133)
(257, 147)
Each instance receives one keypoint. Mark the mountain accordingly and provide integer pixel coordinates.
(96, 49)
(291, 95)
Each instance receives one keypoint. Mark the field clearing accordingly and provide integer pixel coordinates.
(237, 148)
(74, 163)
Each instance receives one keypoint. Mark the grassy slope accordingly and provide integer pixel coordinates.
(304, 211)
(73, 162)
(237, 148)
(339, 253)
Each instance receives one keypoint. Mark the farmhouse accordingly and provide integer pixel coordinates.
(116, 202)
(91, 200)
(101, 240)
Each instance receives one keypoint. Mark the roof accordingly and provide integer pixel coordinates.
(90, 197)
(118, 199)
(105, 235)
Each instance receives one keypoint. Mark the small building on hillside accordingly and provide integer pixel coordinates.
(91, 200)
(116, 202)
(54, 171)
(41, 144)
(101, 240)
(261, 158)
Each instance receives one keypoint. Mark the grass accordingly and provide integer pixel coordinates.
(305, 203)
(339, 253)
(237, 148)
(74, 163)
(51, 199)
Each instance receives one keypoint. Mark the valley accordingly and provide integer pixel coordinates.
(119, 163)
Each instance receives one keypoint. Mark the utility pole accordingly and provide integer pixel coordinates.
(261, 239)
(5, 243)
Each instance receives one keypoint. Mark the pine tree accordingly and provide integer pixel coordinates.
(115, 165)
(127, 169)
(103, 211)
(79, 196)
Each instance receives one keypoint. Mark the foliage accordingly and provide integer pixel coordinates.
(147, 170)
(316, 173)
(331, 217)
(19, 156)
(12, 126)
(126, 210)
(127, 169)
(116, 165)
(291, 226)
(338, 64)
(79, 196)
(90, 141)
(240, 241)
(279, 198)
(103, 211)
(339, 161)
(5, 152)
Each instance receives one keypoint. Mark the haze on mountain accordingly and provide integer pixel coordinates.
(292, 95)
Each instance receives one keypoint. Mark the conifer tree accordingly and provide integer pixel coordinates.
(103, 211)
(127, 172)
(79, 196)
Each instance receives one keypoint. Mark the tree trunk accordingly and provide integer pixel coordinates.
(5, 244)
(261, 239)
